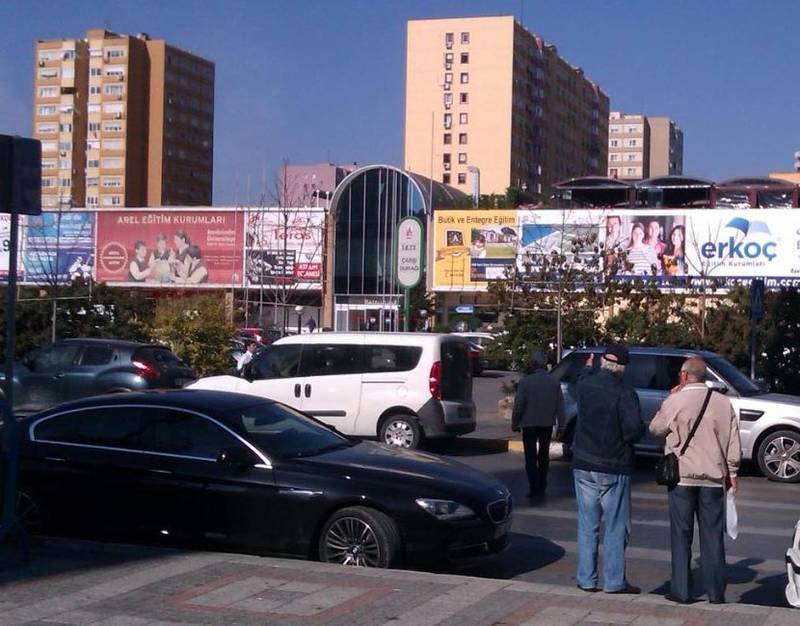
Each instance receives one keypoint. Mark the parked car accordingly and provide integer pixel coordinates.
(76, 368)
(769, 423)
(264, 336)
(245, 472)
(481, 342)
(400, 387)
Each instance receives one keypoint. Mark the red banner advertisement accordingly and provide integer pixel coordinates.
(170, 248)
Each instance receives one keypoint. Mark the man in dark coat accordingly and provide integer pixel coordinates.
(538, 405)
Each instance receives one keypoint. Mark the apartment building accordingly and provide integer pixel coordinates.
(643, 147)
(309, 185)
(124, 121)
(484, 95)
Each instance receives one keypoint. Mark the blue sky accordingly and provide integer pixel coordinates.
(310, 80)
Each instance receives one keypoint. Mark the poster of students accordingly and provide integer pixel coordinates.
(645, 245)
(473, 247)
(170, 248)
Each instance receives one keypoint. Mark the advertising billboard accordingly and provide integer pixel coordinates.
(284, 247)
(180, 248)
(59, 247)
(473, 247)
(572, 235)
(651, 244)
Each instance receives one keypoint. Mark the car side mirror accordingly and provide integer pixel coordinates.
(239, 458)
(716, 385)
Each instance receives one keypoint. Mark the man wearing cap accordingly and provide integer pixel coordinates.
(538, 405)
(609, 423)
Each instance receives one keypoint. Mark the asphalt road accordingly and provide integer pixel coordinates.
(544, 532)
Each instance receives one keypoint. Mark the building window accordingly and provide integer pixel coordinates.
(114, 90)
(448, 77)
(67, 72)
(94, 90)
(46, 129)
(113, 107)
(464, 37)
(463, 97)
(446, 158)
(462, 138)
(448, 57)
(448, 138)
(462, 179)
(112, 127)
(95, 71)
(48, 182)
(64, 164)
(614, 128)
(65, 145)
(448, 40)
(68, 55)
(47, 110)
(94, 127)
(115, 53)
(614, 143)
(465, 57)
(464, 78)
(112, 163)
(462, 157)
(65, 128)
(113, 144)
(115, 70)
(49, 146)
(448, 100)
(613, 172)
(93, 163)
(633, 129)
(49, 72)
(91, 200)
(92, 182)
(49, 164)
(632, 171)
(463, 118)
(48, 92)
(93, 144)
(448, 120)
(445, 179)
(613, 157)
(112, 182)
(65, 182)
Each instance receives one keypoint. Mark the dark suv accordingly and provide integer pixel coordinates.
(77, 368)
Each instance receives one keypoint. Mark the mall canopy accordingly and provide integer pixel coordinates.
(592, 192)
(674, 191)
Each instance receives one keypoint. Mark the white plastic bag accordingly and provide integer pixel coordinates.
(793, 570)
(731, 518)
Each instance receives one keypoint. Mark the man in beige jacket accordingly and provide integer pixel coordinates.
(709, 465)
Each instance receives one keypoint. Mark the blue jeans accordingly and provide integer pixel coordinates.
(607, 497)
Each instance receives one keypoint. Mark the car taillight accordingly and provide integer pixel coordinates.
(435, 380)
(145, 370)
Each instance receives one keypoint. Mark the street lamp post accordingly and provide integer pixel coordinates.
(299, 310)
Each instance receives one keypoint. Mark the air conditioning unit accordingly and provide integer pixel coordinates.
(119, 97)
(63, 153)
(117, 115)
(120, 78)
(446, 166)
(41, 63)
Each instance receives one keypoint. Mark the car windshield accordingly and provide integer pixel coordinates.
(743, 385)
(282, 432)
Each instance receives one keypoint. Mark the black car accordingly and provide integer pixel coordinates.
(254, 474)
(77, 368)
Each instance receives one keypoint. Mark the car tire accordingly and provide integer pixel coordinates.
(361, 537)
(400, 431)
(779, 456)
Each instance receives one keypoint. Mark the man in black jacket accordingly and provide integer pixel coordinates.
(537, 406)
(608, 424)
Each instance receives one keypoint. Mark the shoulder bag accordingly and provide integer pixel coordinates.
(667, 469)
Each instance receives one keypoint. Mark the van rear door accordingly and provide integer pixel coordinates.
(456, 373)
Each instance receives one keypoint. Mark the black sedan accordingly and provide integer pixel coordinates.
(252, 474)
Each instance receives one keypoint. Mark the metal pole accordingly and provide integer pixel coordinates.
(53, 320)
(559, 330)
(9, 459)
(406, 310)
(752, 349)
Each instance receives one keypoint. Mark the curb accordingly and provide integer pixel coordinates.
(504, 445)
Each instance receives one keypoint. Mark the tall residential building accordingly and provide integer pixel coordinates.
(124, 121)
(299, 182)
(485, 93)
(643, 147)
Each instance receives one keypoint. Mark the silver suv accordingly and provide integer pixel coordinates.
(769, 423)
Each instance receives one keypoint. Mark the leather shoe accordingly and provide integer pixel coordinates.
(628, 589)
(673, 598)
(588, 589)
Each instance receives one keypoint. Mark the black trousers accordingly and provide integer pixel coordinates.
(536, 441)
(708, 505)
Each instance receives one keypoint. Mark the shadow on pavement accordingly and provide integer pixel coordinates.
(526, 553)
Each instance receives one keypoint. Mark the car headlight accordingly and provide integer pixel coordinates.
(445, 510)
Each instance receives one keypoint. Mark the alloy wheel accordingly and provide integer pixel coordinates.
(351, 541)
(399, 433)
(782, 458)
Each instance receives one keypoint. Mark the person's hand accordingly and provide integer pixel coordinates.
(732, 483)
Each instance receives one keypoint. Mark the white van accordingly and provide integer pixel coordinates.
(399, 387)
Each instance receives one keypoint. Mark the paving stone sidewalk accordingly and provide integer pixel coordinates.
(77, 582)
